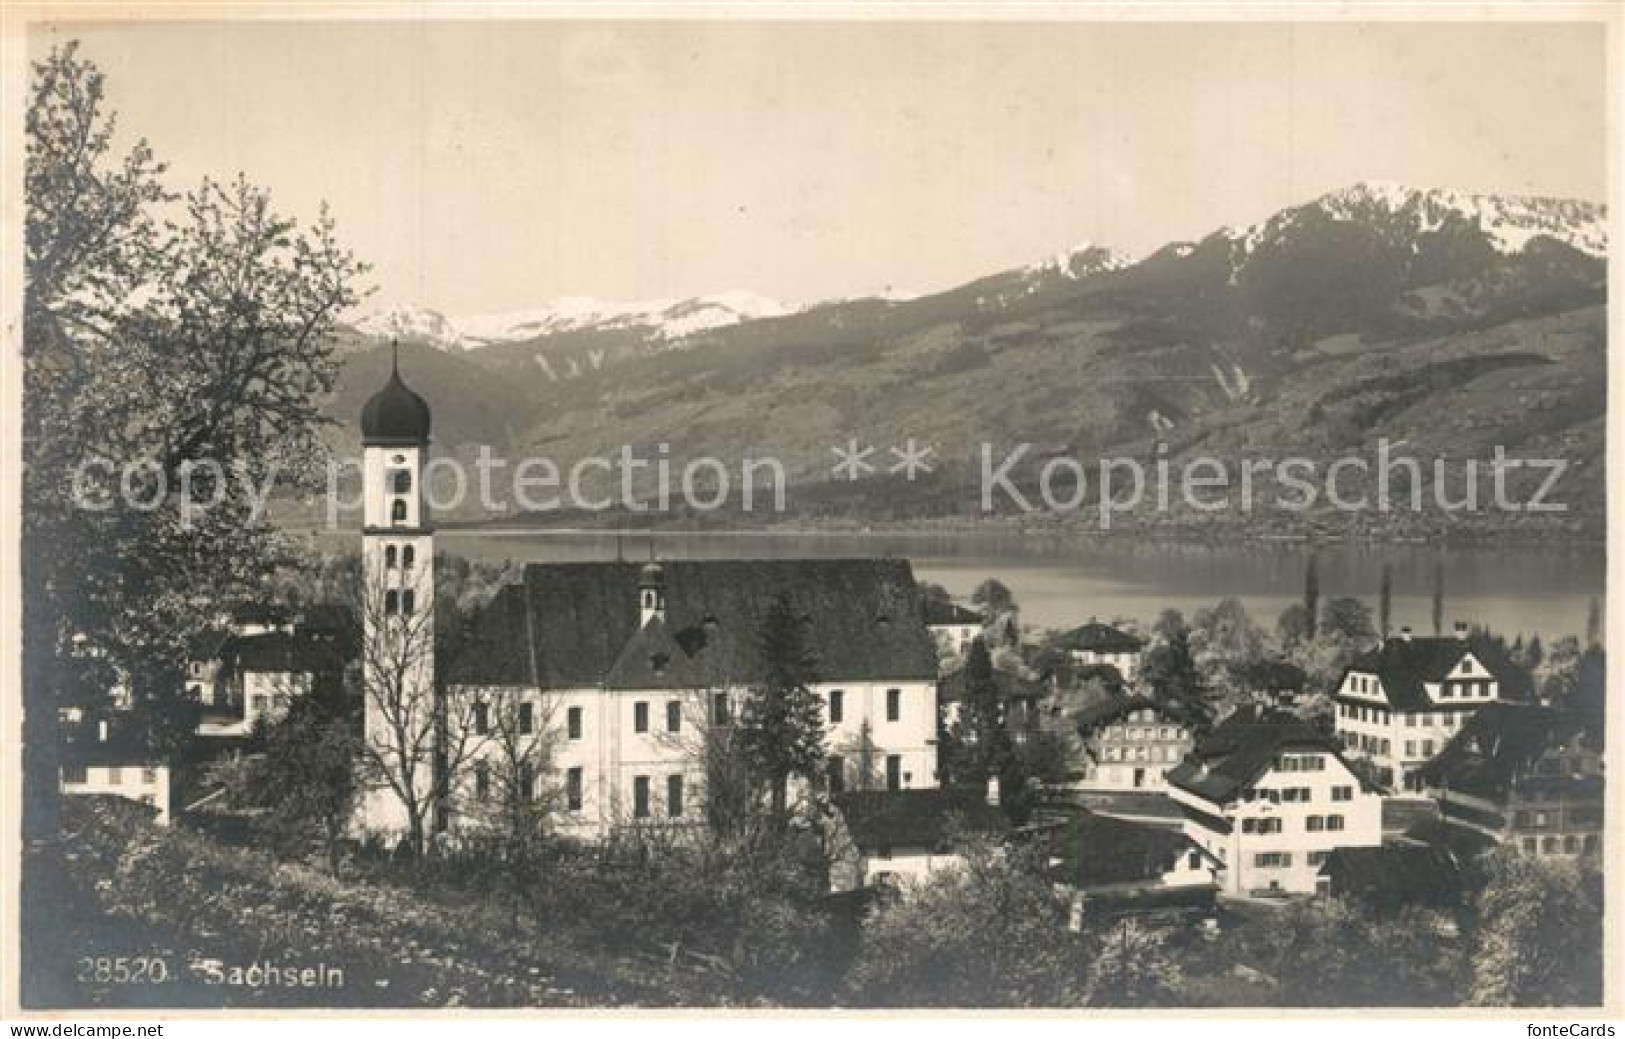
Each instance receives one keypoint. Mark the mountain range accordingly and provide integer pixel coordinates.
(1448, 322)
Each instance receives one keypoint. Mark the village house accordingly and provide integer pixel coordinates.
(1112, 866)
(1271, 798)
(882, 838)
(631, 675)
(1131, 742)
(1095, 644)
(954, 627)
(253, 670)
(1526, 776)
(1398, 705)
(111, 763)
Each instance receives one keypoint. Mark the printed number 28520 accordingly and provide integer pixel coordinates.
(122, 970)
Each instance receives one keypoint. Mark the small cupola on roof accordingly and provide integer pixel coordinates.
(395, 414)
(651, 592)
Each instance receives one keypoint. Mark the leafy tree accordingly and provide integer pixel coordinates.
(994, 598)
(195, 349)
(864, 756)
(990, 933)
(1292, 627)
(1348, 619)
(304, 778)
(521, 794)
(1385, 601)
(1132, 967)
(1538, 935)
(981, 744)
(1438, 597)
(1329, 952)
(781, 727)
(1311, 595)
(1170, 665)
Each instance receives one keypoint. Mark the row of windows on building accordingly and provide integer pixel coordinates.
(525, 786)
(1581, 815)
(1150, 732)
(835, 773)
(1311, 824)
(1568, 845)
(1294, 794)
(1166, 754)
(1359, 741)
(721, 713)
(1413, 719)
(1283, 859)
(113, 775)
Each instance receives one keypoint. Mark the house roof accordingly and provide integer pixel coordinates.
(1241, 749)
(1109, 710)
(916, 818)
(1099, 638)
(1501, 743)
(570, 625)
(297, 652)
(943, 611)
(1010, 685)
(121, 748)
(1462, 842)
(1274, 676)
(1405, 663)
(1394, 872)
(1097, 850)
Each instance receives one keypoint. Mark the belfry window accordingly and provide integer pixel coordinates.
(397, 511)
(401, 481)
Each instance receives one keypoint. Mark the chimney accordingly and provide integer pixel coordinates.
(993, 790)
(1405, 634)
(1461, 629)
(101, 730)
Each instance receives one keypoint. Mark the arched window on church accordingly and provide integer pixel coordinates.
(402, 481)
(408, 601)
(389, 557)
(397, 511)
(392, 602)
(408, 557)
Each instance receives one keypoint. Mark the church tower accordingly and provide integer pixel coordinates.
(397, 565)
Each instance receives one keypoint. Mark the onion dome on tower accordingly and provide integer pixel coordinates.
(395, 414)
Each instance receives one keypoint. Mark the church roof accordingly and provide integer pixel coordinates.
(395, 414)
(576, 625)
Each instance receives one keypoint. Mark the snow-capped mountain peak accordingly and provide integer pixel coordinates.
(661, 318)
(412, 323)
(1508, 222)
(1082, 260)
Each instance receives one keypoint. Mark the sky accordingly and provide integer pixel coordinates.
(489, 166)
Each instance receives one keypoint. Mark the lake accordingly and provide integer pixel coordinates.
(1061, 582)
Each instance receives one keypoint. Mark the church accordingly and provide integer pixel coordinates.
(626, 673)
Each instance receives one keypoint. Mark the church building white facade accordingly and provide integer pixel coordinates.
(625, 675)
